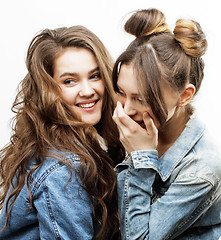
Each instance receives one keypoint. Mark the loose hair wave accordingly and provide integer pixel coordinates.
(43, 121)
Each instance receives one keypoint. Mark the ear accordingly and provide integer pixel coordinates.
(187, 95)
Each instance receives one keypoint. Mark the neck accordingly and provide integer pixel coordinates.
(172, 130)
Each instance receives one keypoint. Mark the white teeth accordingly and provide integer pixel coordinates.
(87, 105)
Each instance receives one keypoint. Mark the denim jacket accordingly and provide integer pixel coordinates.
(59, 210)
(176, 196)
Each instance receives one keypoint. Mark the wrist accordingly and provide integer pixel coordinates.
(144, 158)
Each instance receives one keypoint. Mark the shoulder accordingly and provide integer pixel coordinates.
(208, 153)
(53, 170)
(200, 152)
(204, 161)
(56, 190)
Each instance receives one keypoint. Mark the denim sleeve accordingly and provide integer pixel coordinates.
(63, 211)
(169, 215)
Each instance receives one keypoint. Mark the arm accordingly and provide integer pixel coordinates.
(186, 199)
(63, 212)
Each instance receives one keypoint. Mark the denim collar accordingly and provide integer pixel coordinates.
(172, 157)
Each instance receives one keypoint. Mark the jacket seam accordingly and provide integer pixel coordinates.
(51, 215)
(47, 172)
(36, 184)
(164, 177)
(195, 215)
(126, 203)
(210, 180)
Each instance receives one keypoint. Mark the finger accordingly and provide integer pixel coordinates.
(115, 115)
(149, 123)
(123, 119)
(119, 125)
(122, 125)
(118, 114)
(117, 120)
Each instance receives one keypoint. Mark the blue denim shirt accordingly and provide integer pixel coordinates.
(59, 211)
(176, 196)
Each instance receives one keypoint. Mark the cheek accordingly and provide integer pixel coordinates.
(100, 88)
(121, 99)
(148, 109)
(142, 109)
(68, 95)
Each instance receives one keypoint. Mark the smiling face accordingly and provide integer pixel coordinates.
(82, 87)
(131, 100)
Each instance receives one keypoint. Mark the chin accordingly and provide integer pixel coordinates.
(91, 120)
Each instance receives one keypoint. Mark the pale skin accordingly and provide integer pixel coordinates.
(138, 127)
(82, 87)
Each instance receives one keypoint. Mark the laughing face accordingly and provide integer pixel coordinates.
(82, 87)
(128, 95)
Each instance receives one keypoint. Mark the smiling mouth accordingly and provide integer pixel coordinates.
(142, 124)
(87, 105)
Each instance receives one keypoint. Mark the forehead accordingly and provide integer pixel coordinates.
(127, 79)
(75, 60)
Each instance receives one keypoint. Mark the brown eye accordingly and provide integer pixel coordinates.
(70, 81)
(96, 76)
(120, 93)
(140, 100)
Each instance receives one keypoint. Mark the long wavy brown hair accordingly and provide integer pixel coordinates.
(43, 121)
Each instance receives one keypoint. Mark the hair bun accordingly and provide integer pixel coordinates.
(146, 22)
(190, 36)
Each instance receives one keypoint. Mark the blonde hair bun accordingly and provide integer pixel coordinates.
(146, 22)
(190, 36)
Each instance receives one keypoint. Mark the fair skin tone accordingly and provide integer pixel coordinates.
(82, 87)
(139, 129)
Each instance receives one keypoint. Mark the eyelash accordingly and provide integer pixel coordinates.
(139, 100)
(135, 99)
(69, 81)
(96, 75)
(121, 93)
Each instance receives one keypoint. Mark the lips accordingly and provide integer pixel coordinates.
(88, 104)
(142, 124)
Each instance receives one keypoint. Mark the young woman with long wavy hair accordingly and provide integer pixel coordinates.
(57, 177)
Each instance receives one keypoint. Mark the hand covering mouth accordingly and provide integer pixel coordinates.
(141, 123)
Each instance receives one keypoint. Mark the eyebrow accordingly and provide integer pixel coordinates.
(132, 94)
(76, 74)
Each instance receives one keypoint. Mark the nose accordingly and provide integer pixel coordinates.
(86, 89)
(129, 108)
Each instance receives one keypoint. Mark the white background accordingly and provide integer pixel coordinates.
(20, 20)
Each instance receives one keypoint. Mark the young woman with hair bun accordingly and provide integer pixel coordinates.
(57, 173)
(169, 186)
